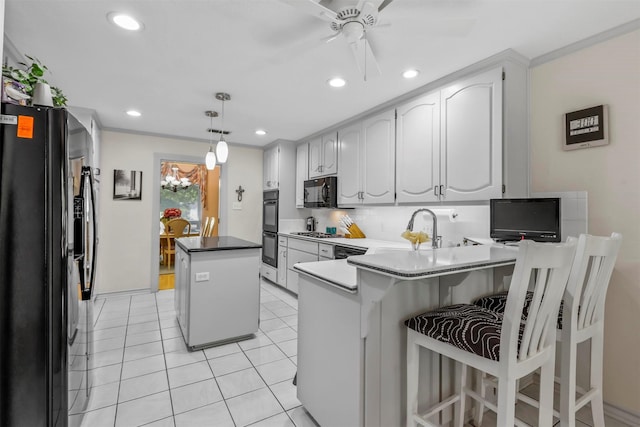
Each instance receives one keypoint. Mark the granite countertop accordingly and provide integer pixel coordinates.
(409, 264)
(358, 243)
(217, 243)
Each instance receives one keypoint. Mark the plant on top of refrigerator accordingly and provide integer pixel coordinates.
(26, 81)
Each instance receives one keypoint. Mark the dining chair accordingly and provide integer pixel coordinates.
(499, 344)
(581, 319)
(174, 229)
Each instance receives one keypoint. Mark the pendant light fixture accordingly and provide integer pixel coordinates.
(222, 149)
(210, 158)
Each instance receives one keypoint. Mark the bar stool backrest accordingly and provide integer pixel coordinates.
(589, 280)
(544, 269)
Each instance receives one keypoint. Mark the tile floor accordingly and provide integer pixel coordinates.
(144, 374)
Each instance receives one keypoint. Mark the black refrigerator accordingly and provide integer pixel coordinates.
(45, 274)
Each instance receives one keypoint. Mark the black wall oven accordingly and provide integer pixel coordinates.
(270, 228)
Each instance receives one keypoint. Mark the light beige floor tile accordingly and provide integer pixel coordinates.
(266, 354)
(147, 365)
(188, 374)
(138, 328)
(230, 363)
(144, 410)
(196, 395)
(280, 420)
(290, 348)
(254, 406)
(143, 338)
(183, 357)
(221, 350)
(260, 340)
(285, 392)
(271, 324)
(104, 417)
(99, 397)
(284, 334)
(276, 372)
(240, 382)
(143, 350)
(144, 385)
(301, 418)
(215, 414)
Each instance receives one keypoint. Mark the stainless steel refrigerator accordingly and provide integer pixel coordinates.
(47, 265)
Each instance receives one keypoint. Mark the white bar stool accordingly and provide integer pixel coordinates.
(499, 344)
(581, 318)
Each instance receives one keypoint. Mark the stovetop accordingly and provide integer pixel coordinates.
(316, 234)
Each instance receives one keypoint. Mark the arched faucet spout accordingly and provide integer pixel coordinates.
(435, 237)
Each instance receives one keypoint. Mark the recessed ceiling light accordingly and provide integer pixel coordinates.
(410, 73)
(124, 21)
(337, 82)
(261, 132)
(134, 113)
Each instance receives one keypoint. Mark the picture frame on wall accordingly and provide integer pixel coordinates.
(127, 184)
(586, 128)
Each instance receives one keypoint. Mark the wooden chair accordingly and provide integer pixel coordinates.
(174, 229)
(209, 225)
(499, 344)
(581, 319)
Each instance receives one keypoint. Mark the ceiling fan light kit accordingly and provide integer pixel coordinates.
(222, 149)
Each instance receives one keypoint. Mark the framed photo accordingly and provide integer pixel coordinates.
(127, 185)
(586, 128)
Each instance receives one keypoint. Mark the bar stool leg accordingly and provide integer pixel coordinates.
(459, 419)
(568, 350)
(597, 409)
(545, 411)
(480, 376)
(413, 372)
(506, 401)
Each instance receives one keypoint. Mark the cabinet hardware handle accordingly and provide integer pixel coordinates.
(442, 190)
(435, 190)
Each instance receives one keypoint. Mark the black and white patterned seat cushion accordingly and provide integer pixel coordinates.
(498, 302)
(466, 326)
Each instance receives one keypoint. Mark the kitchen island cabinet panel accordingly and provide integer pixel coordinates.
(217, 289)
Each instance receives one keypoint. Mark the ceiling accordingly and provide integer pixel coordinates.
(270, 56)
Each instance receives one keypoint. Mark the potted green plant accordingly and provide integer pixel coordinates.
(32, 82)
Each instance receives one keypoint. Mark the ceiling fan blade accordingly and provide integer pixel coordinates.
(313, 8)
(384, 4)
(365, 59)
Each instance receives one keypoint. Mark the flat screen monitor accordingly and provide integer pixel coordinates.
(518, 219)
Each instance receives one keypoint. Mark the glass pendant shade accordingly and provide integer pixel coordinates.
(222, 151)
(210, 159)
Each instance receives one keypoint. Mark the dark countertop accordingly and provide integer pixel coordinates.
(217, 243)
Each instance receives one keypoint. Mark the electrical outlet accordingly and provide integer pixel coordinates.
(202, 277)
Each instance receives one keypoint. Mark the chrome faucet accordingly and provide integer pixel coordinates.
(435, 239)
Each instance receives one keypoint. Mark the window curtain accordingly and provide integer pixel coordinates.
(197, 174)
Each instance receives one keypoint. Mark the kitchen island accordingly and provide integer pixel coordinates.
(217, 289)
(351, 336)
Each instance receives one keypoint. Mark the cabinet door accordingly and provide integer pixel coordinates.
(295, 256)
(315, 158)
(270, 169)
(418, 150)
(330, 154)
(282, 265)
(379, 153)
(302, 172)
(349, 185)
(471, 165)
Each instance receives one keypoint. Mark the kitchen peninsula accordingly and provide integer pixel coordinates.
(352, 341)
(217, 296)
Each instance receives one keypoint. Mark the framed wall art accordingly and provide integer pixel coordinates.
(127, 185)
(586, 128)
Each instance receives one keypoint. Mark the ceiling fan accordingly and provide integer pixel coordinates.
(349, 19)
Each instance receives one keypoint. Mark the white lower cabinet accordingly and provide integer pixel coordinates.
(299, 251)
(282, 261)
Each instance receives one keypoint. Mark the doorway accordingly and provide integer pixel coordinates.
(198, 204)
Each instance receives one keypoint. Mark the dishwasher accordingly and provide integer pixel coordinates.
(342, 252)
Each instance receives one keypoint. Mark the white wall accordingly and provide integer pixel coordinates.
(607, 73)
(124, 257)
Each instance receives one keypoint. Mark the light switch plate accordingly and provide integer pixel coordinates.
(202, 277)
(237, 206)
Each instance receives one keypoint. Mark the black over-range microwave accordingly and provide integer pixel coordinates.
(321, 192)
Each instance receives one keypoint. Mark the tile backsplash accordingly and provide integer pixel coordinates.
(573, 212)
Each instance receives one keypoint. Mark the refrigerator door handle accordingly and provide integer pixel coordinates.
(81, 253)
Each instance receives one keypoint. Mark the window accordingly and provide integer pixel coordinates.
(188, 201)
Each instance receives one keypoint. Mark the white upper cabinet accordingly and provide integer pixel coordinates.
(302, 172)
(271, 169)
(418, 150)
(378, 167)
(323, 155)
(350, 157)
(471, 138)
(367, 161)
